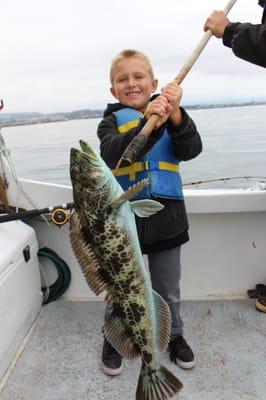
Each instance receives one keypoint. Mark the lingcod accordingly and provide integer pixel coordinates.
(104, 240)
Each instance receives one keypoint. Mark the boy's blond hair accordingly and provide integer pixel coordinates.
(129, 53)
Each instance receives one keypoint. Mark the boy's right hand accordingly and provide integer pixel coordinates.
(161, 107)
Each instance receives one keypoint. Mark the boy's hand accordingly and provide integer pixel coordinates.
(173, 93)
(161, 107)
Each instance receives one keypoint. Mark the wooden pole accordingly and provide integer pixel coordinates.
(130, 154)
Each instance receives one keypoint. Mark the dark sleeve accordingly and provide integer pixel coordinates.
(247, 41)
(186, 139)
(113, 144)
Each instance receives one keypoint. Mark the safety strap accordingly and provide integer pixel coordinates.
(141, 166)
(131, 170)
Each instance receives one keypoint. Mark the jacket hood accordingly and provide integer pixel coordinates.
(112, 107)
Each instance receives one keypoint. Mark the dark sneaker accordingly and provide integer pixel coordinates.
(181, 354)
(261, 301)
(111, 360)
(261, 304)
(258, 291)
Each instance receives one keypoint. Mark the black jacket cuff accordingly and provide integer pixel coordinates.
(229, 33)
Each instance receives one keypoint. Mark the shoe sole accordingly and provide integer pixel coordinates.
(112, 371)
(260, 307)
(185, 365)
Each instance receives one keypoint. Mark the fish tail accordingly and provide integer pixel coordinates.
(160, 384)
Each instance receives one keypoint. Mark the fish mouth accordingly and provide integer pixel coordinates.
(88, 150)
(74, 152)
(86, 153)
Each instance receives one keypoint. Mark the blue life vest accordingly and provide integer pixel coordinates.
(159, 165)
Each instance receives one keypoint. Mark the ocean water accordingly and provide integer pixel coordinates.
(234, 147)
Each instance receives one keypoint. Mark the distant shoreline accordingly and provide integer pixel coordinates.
(33, 118)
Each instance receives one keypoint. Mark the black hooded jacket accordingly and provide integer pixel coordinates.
(169, 227)
(248, 41)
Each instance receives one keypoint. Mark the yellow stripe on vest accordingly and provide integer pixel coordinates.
(141, 166)
(131, 170)
(168, 166)
(129, 125)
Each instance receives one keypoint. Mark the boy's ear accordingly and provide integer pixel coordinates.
(154, 84)
(112, 90)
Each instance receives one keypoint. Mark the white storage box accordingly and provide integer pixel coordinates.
(20, 287)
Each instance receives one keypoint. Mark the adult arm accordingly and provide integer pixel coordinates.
(247, 41)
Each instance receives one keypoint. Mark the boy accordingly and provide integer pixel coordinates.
(174, 139)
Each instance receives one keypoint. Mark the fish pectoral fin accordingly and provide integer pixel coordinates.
(130, 193)
(85, 256)
(163, 322)
(146, 208)
(116, 334)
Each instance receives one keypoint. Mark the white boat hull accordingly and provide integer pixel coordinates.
(224, 257)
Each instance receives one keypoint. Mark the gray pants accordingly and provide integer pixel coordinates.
(165, 272)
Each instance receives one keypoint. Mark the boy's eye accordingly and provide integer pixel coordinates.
(122, 79)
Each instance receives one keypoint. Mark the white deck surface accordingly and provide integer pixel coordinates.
(61, 360)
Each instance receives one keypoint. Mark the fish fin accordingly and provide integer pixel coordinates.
(163, 322)
(85, 255)
(160, 384)
(116, 334)
(130, 193)
(109, 298)
(146, 208)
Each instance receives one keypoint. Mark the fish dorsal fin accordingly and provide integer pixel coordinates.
(85, 255)
(163, 322)
(130, 193)
(116, 334)
(145, 208)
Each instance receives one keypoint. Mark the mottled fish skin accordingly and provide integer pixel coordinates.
(141, 325)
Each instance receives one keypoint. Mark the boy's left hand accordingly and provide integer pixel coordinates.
(173, 92)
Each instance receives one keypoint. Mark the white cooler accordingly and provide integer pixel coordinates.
(20, 288)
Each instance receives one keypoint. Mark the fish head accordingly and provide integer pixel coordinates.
(86, 168)
(91, 178)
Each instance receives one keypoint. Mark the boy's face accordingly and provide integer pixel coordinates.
(132, 83)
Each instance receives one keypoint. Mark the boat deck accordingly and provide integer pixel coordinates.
(61, 359)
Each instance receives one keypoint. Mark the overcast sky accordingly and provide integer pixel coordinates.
(56, 54)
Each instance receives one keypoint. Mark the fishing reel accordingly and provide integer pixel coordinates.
(59, 216)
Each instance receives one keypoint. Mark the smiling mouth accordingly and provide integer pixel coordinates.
(133, 94)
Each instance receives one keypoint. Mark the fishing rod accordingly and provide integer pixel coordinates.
(225, 180)
(134, 147)
(58, 213)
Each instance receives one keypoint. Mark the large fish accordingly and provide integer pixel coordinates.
(104, 240)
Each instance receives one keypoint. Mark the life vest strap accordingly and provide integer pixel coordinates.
(131, 170)
(142, 166)
(167, 166)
